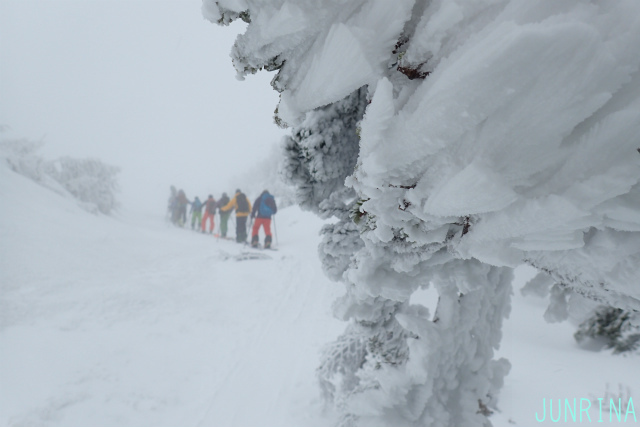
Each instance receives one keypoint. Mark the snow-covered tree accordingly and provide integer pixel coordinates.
(20, 155)
(321, 153)
(611, 327)
(498, 132)
(90, 181)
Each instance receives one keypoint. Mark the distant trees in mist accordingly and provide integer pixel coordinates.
(90, 181)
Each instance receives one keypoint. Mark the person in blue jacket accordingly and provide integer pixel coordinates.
(263, 208)
(196, 212)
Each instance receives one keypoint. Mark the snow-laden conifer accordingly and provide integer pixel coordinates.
(498, 133)
(612, 328)
(92, 182)
(89, 180)
(319, 156)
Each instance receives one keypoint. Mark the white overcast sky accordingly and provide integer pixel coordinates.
(146, 85)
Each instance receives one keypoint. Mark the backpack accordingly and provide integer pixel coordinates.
(196, 205)
(264, 210)
(210, 206)
(243, 203)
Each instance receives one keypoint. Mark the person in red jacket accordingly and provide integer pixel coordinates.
(209, 214)
(263, 208)
(180, 212)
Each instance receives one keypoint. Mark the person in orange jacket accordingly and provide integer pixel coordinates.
(242, 205)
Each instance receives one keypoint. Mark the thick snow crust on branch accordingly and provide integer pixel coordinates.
(496, 133)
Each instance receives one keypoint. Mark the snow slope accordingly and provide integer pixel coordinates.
(130, 322)
(121, 322)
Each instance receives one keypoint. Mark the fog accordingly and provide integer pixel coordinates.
(144, 85)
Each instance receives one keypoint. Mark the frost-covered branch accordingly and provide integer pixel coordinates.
(495, 133)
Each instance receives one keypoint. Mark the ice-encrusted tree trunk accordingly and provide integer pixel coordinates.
(495, 133)
(319, 156)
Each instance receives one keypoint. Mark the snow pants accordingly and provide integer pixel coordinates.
(196, 218)
(208, 216)
(224, 218)
(241, 229)
(264, 223)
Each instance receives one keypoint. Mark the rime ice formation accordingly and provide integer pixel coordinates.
(496, 133)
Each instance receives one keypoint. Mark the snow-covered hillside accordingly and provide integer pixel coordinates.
(130, 322)
(133, 322)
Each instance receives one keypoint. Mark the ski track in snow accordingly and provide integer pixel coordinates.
(129, 321)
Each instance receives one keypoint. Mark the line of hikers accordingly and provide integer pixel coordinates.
(263, 209)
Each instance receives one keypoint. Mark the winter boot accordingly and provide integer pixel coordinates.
(254, 241)
(267, 242)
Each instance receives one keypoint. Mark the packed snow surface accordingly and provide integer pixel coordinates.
(133, 322)
(129, 321)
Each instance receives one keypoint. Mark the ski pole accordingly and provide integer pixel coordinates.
(214, 218)
(275, 229)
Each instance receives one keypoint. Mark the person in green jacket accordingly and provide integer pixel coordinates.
(196, 212)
